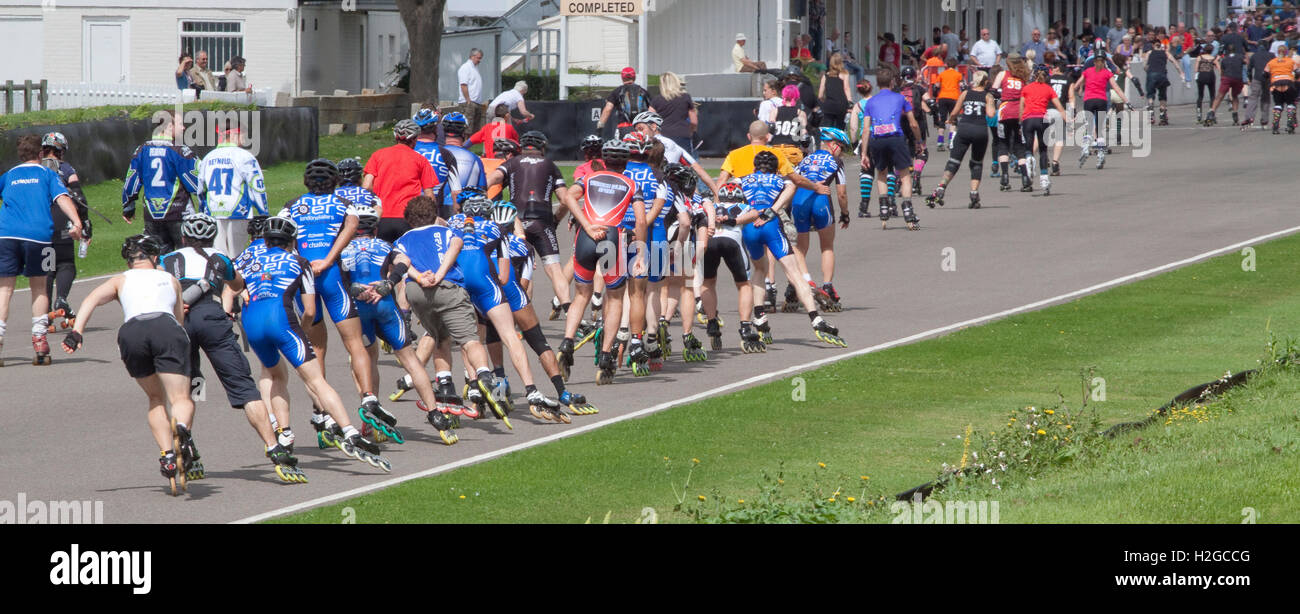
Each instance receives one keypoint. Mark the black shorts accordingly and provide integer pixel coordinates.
(391, 229)
(167, 230)
(725, 249)
(541, 235)
(890, 153)
(154, 343)
(211, 331)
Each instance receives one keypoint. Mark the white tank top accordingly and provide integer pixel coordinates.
(147, 291)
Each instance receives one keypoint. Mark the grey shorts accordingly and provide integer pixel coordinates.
(445, 312)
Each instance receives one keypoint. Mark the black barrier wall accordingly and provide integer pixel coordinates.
(101, 150)
(723, 124)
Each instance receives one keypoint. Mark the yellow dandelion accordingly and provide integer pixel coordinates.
(462, 496)
(851, 499)
(1068, 426)
(831, 500)
(865, 477)
(1050, 412)
(822, 465)
(741, 500)
(871, 502)
(665, 458)
(700, 497)
(1042, 432)
(780, 481)
(695, 460)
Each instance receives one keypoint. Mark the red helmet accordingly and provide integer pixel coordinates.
(638, 141)
(629, 73)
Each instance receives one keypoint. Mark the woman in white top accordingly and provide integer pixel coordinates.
(153, 346)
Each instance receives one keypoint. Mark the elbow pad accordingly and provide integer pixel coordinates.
(397, 273)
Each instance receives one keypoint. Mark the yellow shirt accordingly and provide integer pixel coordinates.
(740, 162)
(737, 54)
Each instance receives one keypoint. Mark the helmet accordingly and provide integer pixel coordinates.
(502, 146)
(426, 117)
(637, 142)
(909, 73)
(367, 217)
(1040, 69)
(766, 162)
(504, 213)
(55, 140)
(321, 175)
(591, 146)
(628, 73)
(681, 176)
(478, 206)
(199, 226)
(405, 130)
(615, 151)
(469, 192)
(455, 124)
(731, 192)
(534, 139)
(145, 245)
(256, 225)
(830, 134)
(350, 170)
(280, 228)
(648, 117)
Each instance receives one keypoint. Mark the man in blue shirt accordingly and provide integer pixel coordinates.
(166, 174)
(26, 230)
(886, 115)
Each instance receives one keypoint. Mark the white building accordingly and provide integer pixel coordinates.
(289, 45)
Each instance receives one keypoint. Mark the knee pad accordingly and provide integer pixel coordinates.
(924, 156)
(536, 340)
(953, 165)
(976, 169)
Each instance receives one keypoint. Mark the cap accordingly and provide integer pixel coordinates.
(629, 73)
(741, 36)
(1015, 55)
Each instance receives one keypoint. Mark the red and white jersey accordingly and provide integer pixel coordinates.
(606, 197)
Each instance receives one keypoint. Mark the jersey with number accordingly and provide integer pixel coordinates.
(1011, 88)
(762, 189)
(364, 259)
(360, 197)
(319, 218)
(646, 184)
(786, 130)
(231, 184)
(607, 197)
(165, 173)
(885, 112)
(277, 274)
(821, 167)
(1061, 83)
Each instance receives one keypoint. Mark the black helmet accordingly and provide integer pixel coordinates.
(615, 151)
(591, 146)
(199, 226)
(534, 139)
(503, 147)
(256, 225)
(350, 170)
(280, 229)
(766, 162)
(909, 73)
(683, 177)
(137, 246)
(478, 206)
(320, 176)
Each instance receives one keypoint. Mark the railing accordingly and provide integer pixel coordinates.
(42, 95)
(27, 89)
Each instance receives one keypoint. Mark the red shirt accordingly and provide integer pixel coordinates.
(1036, 96)
(492, 131)
(583, 170)
(400, 175)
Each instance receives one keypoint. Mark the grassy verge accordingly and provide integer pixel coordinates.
(885, 422)
(86, 114)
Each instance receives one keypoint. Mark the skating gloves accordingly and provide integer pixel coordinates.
(73, 340)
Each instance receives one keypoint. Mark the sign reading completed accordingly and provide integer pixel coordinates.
(623, 8)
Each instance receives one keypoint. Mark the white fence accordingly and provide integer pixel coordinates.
(79, 95)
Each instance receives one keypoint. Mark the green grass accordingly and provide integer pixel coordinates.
(894, 416)
(86, 114)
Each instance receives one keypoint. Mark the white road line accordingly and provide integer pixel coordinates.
(759, 378)
(76, 281)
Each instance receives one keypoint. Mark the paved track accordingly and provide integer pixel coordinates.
(77, 429)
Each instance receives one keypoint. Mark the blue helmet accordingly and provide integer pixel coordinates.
(469, 192)
(455, 124)
(835, 135)
(426, 117)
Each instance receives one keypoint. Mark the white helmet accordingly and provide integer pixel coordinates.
(648, 117)
(199, 226)
(367, 217)
(504, 213)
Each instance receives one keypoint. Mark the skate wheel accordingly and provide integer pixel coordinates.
(537, 412)
(562, 417)
(448, 437)
(396, 436)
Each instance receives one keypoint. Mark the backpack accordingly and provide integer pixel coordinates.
(633, 102)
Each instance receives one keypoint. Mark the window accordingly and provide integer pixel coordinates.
(221, 39)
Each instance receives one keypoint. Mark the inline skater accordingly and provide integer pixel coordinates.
(1060, 80)
(273, 276)
(502, 151)
(232, 189)
(26, 228)
(463, 168)
(598, 203)
(396, 174)
(638, 311)
(1034, 100)
(1257, 93)
(53, 146)
(812, 211)
(883, 134)
(164, 173)
(154, 349)
(789, 126)
(689, 237)
(1282, 70)
(919, 98)
(649, 123)
(367, 261)
(629, 99)
(767, 193)
(326, 223)
(1010, 140)
(203, 272)
(731, 215)
(534, 180)
(950, 84)
(973, 116)
(1096, 83)
(1157, 62)
(1205, 66)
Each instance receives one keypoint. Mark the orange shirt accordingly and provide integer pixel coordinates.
(489, 165)
(1281, 69)
(950, 84)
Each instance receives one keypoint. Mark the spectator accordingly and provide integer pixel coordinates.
(834, 93)
(499, 128)
(1052, 44)
(771, 100)
(741, 62)
(184, 64)
(201, 76)
(910, 47)
(953, 43)
(471, 89)
(235, 81)
(1233, 40)
(513, 99)
(851, 61)
(629, 99)
(1125, 46)
(675, 106)
(985, 52)
(800, 51)
(1086, 29)
(1116, 34)
(1035, 43)
(397, 174)
(890, 53)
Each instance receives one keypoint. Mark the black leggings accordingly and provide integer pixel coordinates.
(1010, 141)
(65, 271)
(1284, 96)
(1036, 127)
(1204, 86)
(977, 139)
